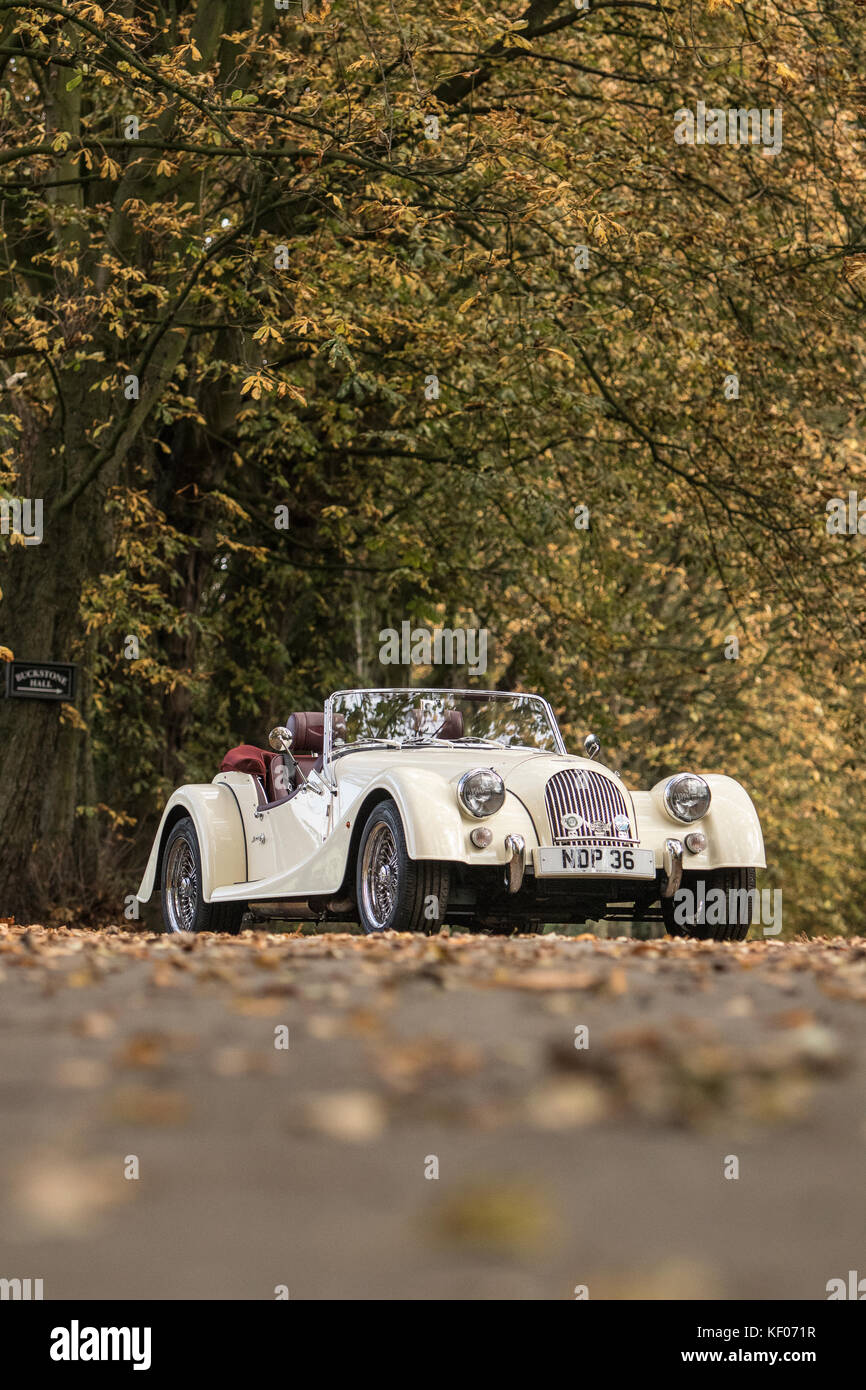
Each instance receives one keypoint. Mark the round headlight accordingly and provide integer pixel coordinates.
(687, 796)
(482, 791)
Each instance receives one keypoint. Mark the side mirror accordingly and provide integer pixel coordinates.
(592, 745)
(280, 739)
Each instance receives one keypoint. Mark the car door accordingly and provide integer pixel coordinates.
(288, 837)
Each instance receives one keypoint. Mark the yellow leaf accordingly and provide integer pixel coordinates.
(252, 386)
(70, 715)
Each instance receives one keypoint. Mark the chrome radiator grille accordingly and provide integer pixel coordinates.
(583, 806)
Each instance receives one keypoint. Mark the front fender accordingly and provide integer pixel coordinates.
(437, 827)
(221, 838)
(732, 827)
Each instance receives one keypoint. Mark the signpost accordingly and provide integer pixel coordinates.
(40, 680)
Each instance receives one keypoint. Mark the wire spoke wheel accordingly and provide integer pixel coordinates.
(380, 875)
(393, 891)
(181, 887)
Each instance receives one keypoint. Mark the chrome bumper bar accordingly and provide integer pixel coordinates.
(515, 846)
(673, 864)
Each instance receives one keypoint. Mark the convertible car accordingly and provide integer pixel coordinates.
(404, 809)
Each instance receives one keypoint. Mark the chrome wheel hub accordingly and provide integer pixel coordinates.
(379, 884)
(181, 888)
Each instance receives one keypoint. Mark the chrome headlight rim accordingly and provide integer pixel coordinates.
(461, 793)
(669, 793)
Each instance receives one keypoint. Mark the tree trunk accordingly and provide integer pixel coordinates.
(48, 846)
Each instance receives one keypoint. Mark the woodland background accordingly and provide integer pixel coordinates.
(296, 378)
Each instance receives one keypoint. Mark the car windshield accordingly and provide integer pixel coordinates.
(440, 718)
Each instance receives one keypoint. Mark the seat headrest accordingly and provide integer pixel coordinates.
(453, 725)
(308, 731)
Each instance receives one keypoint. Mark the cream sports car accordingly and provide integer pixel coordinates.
(404, 809)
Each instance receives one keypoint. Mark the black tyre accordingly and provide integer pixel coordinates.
(730, 915)
(183, 906)
(394, 892)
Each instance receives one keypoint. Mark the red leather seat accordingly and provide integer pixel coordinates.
(452, 726)
(270, 769)
(281, 778)
(257, 761)
(307, 728)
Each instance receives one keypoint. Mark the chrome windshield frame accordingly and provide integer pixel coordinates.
(327, 754)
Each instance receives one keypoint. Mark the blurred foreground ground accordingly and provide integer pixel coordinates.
(263, 1166)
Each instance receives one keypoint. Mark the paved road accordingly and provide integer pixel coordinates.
(311, 1166)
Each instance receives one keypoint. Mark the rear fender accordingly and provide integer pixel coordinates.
(216, 815)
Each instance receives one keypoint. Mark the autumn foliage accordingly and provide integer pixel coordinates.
(242, 242)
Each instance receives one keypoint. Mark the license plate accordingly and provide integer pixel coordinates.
(608, 861)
